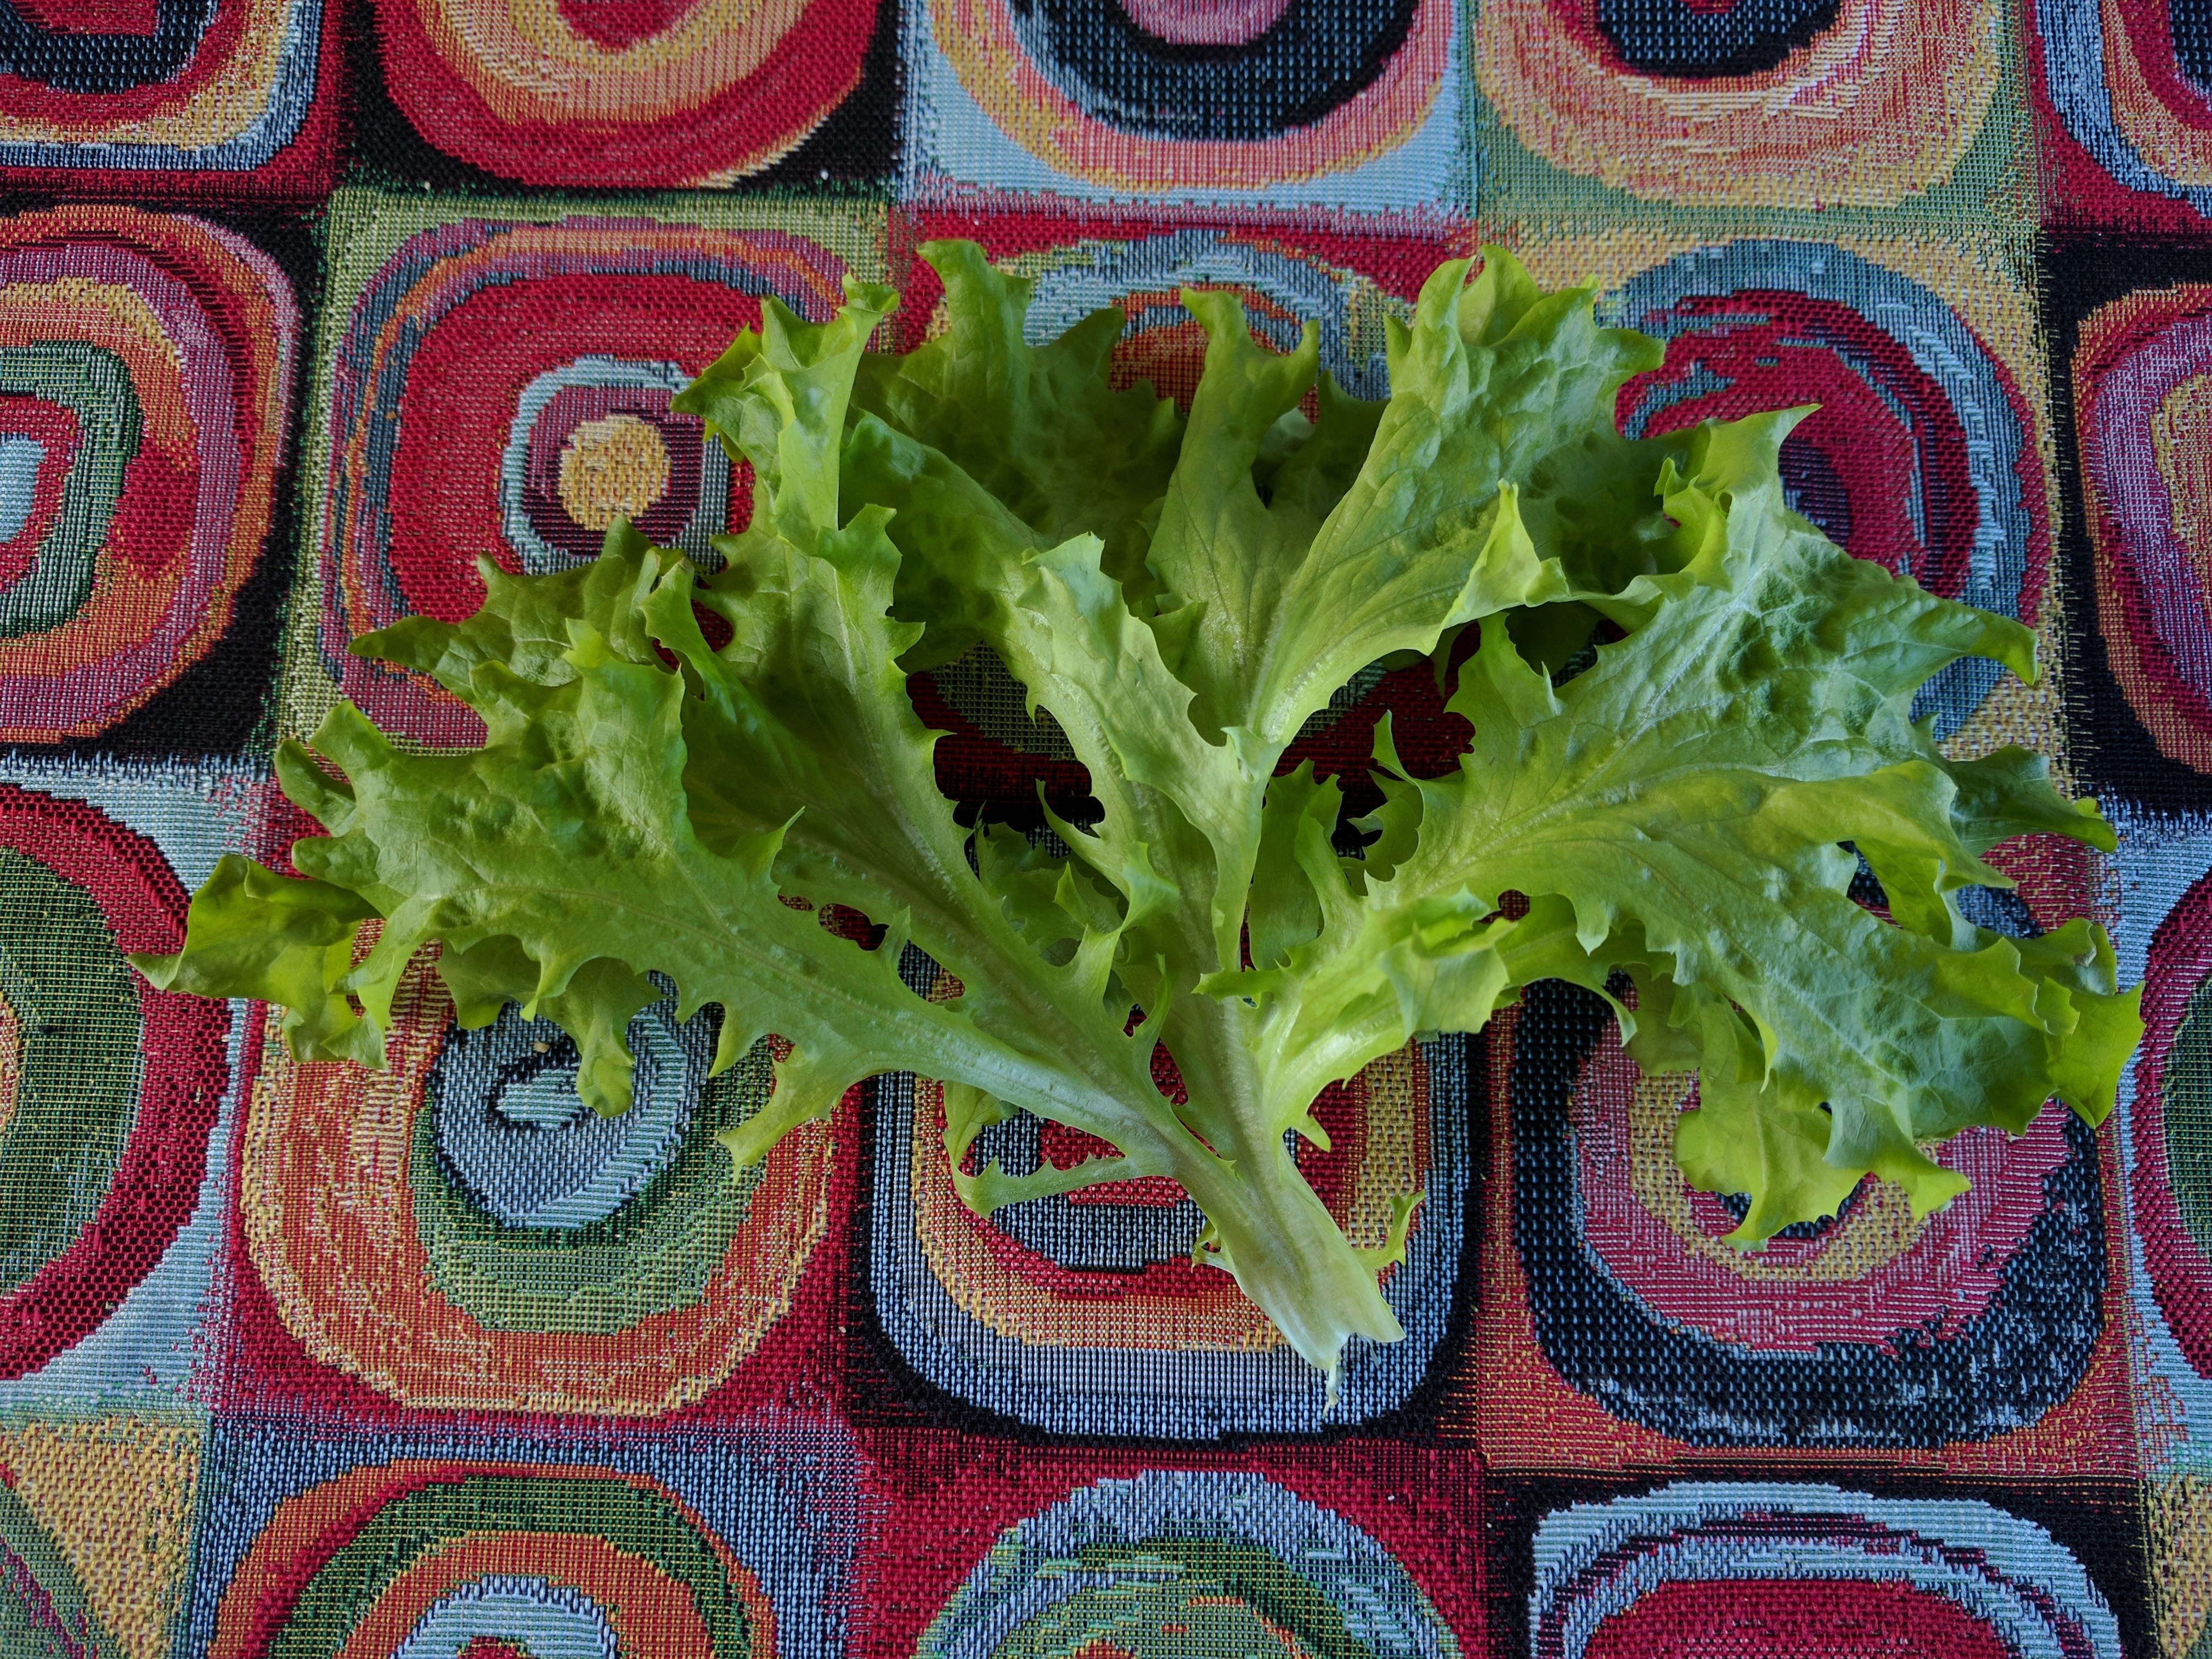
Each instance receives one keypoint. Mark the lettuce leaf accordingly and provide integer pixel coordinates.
(1665, 826)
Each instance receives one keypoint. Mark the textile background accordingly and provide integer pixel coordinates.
(306, 305)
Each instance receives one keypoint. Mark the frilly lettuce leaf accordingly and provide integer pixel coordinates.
(1665, 826)
(1674, 814)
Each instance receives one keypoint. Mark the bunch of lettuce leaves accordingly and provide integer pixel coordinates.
(1685, 702)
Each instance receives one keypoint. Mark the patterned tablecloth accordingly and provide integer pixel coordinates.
(308, 305)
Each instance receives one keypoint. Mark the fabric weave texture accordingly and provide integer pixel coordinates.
(307, 306)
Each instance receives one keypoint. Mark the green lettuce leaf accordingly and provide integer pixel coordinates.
(1666, 827)
(1039, 430)
(1681, 804)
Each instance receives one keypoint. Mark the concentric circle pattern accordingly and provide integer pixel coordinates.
(594, 440)
(1697, 42)
(1802, 103)
(1181, 96)
(1920, 455)
(500, 390)
(62, 976)
(1806, 1570)
(1179, 1561)
(523, 1615)
(1286, 68)
(145, 364)
(2128, 81)
(2142, 367)
(430, 1361)
(639, 94)
(110, 99)
(1087, 1314)
(1636, 1301)
(2171, 1118)
(1282, 289)
(1110, 1267)
(456, 1559)
(504, 1249)
(510, 1126)
(110, 1087)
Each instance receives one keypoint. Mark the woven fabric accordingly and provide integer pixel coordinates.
(183, 98)
(308, 307)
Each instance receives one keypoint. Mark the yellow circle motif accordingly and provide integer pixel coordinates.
(612, 468)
